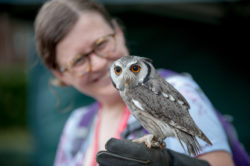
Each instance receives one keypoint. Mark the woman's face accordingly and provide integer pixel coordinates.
(80, 40)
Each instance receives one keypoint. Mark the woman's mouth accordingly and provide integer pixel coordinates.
(103, 79)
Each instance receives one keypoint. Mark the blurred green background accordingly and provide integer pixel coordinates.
(208, 39)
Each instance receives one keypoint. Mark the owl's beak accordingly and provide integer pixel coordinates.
(127, 81)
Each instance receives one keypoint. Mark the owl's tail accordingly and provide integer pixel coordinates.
(193, 146)
(204, 137)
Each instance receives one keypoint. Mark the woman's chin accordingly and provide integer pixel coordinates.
(108, 90)
(103, 90)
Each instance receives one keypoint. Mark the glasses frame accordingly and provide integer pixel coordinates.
(67, 67)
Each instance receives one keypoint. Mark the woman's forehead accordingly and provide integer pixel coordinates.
(89, 27)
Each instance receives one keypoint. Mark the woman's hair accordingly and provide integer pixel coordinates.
(55, 19)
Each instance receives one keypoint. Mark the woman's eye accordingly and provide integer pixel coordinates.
(118, 70)
(100, 46)
(135, 68)
(79, 60)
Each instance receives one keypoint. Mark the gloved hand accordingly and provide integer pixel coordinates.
(128, 153)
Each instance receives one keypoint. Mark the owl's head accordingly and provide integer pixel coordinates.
(130, 71)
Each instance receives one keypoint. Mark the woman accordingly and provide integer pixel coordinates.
(78, 40)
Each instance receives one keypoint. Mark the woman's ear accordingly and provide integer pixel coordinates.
(60, 79)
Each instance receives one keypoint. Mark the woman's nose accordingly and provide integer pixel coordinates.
(97, 63)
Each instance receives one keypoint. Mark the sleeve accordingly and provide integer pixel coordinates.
(66, 152)
(203, 113)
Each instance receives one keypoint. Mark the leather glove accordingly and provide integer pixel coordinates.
(128, 153)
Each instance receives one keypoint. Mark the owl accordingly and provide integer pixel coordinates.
(155, 103)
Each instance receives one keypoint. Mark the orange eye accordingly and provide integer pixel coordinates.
(135, 68)
(118, 70)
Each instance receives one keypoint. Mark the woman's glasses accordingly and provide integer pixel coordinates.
(103, 47)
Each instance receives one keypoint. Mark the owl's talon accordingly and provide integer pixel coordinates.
(155, 144)
(163, 145)
(158, 144)
(150, 141)
(146, 139)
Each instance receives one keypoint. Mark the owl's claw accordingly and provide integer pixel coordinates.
(146, 139)
(162, 145)
(150, 141)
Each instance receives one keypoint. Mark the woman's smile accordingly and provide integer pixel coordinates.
(100, 79)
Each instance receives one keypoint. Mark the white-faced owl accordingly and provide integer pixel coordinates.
(155, 103)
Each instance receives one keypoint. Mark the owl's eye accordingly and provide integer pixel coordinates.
(135, 68)
(118, 70)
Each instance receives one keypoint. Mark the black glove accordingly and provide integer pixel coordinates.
(128, 153)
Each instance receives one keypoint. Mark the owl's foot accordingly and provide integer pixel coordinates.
(150, 141)
(147, 140)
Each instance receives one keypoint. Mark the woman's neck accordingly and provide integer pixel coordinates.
(112, 106)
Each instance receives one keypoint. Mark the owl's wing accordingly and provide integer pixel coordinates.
(160, 86)
(164, 108)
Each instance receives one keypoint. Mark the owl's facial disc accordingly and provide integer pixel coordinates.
(130, 75)
(128, 78)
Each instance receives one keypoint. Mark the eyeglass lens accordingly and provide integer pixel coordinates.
(104, 48)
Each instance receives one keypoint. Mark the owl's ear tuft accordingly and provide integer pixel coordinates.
(147, 60)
